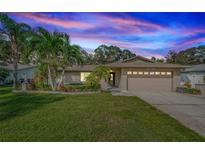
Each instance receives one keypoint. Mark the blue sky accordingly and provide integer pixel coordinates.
(146, 34)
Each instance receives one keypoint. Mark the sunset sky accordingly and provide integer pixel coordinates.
(146, 34)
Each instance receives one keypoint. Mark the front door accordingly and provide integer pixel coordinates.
(112, 79)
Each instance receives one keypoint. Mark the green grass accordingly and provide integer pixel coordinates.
(95, 117)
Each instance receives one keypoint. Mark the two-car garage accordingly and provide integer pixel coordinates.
(149, 81)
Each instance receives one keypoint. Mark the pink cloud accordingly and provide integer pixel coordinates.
(193, 31)
(135, 25)
(149, 54)
(186, 44)
(190, 42)
(56, 21)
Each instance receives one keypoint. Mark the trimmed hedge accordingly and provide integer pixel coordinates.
(188, 90)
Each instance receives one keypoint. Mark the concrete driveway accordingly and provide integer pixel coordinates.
(189, 110)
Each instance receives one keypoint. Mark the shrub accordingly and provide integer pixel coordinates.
(100, 72)
(92, 80)
(75, 88)
(188, 85)
(18, 86)
(188, 90)
(192, 91)
(76, 83)
(63, 88)
(43, 86)
(31, 85)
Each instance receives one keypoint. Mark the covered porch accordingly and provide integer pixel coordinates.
(115, 76)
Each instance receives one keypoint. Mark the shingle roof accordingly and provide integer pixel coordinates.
(81, 68)
(138, 57)
(135, 62)
(141, 62)
(196, 68)
(146, 65)
(20, 66)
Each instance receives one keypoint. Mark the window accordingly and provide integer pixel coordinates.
(147, 73)
(163, 73)
(151, 73)
(83, 76)
(157, 73)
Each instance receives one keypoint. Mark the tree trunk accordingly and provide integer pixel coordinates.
(54, 79)
(15, 66)
(15, 61)
(61, 79)
(50, 78)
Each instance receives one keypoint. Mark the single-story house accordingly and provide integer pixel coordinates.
(135, 74)
(195, 76)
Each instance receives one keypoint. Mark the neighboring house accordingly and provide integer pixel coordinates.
(24, 72)
(194, 75)
(135, 74)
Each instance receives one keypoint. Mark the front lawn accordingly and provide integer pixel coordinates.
(94, 117)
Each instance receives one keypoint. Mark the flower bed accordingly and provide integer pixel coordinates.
(56, 92)
(188, 90)
(31, 86)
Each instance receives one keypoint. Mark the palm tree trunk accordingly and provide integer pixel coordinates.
(15, 66)
(61, 79)
(55, 79)
(50, 78)
(15, 62)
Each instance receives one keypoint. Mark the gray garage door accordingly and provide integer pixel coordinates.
(149, 84)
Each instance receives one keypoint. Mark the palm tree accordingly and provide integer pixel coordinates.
(13, 36)
(47, 46)
(69, 55)
(54, 50)
(5, 51)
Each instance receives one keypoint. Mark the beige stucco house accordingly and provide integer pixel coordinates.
(135, 74)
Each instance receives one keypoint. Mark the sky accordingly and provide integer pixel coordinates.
(146, 34)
